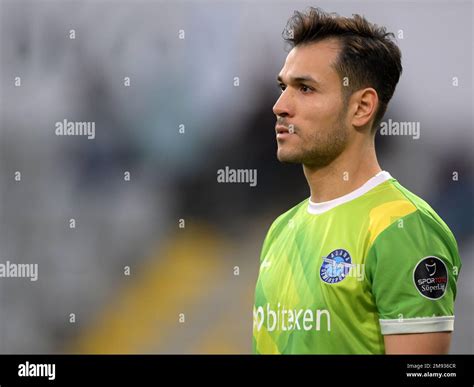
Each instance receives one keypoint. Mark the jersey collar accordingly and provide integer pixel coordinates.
(319, 208)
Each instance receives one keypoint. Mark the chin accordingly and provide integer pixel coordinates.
(285, 157)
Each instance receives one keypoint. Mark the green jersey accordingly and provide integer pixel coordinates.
(336, 276)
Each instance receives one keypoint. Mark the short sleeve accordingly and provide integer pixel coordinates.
(412, 268)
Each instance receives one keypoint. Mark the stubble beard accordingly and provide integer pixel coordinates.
(318, 149)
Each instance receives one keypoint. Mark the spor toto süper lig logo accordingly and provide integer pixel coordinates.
(336, 266)
(431, 277)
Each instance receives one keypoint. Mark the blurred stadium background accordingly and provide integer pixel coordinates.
(188, 272)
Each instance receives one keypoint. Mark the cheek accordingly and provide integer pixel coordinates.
(322, 111)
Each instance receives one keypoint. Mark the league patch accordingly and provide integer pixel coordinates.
(336, 266)
(431, 277)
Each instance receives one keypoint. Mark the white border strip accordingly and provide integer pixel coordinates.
(417, 325)
(319, 208)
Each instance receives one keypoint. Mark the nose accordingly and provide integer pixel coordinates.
(282, 106)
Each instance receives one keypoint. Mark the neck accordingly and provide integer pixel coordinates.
(350, 170)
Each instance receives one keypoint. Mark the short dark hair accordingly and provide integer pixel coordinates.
(369, 57)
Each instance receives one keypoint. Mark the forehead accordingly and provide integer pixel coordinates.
(315, 59)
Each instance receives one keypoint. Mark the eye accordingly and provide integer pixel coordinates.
(306, 89)
(282, 86)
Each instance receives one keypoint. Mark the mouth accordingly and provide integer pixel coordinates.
(282, 131)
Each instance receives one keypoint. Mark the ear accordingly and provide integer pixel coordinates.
(365, 102)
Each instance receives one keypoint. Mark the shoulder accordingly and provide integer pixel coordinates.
(403, 210)
(407, 230)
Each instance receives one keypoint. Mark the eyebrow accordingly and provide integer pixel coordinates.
(299, 79)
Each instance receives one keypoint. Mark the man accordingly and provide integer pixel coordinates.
(363, 265)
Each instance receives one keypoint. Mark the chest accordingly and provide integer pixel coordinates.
(309, 267)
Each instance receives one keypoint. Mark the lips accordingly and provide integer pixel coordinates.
(282, 132)
(281, 129)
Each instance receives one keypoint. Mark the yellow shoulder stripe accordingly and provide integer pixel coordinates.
(384, 215)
